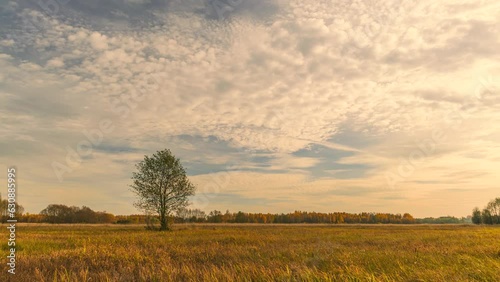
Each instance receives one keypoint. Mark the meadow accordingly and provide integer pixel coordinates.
(253, 252)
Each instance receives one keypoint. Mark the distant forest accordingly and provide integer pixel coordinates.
(57, 213)
(489, 215)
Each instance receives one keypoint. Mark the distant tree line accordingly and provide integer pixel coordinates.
(444, 220)
(489, 215)
(58, 213)
(216, 216)
(64, 214)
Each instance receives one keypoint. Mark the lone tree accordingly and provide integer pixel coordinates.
(162, 186)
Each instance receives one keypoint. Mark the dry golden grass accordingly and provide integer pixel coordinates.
(257, 253)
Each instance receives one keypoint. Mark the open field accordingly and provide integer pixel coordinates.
(256, 253)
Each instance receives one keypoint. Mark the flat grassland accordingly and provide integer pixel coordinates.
(255, 252)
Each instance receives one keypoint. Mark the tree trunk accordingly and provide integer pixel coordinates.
(164, 223)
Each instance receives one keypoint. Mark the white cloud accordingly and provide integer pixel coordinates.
(98, 41)
(55, 63)
(275, 81)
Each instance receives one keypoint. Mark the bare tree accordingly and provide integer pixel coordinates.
(162, 186)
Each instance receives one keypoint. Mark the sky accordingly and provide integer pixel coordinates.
(271, 106)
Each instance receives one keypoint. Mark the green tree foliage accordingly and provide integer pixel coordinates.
(476, 216)
(216, 216)
(59, 213)
(489, 215)
(443, 220)
(486, 217)
(162, 186)
(494, 208)
(63, 214)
